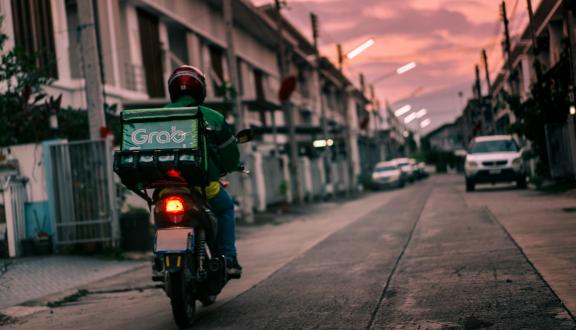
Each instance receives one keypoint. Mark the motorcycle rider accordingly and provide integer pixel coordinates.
(187, 87)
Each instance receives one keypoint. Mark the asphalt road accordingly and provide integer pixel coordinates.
(416, 258)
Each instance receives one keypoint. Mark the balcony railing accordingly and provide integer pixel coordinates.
(135, 77)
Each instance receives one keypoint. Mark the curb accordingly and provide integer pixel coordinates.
(40, 304)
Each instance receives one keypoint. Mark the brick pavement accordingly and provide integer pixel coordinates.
(35, 277)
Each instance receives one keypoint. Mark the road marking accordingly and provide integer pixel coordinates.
(495, 219)
(397, 262)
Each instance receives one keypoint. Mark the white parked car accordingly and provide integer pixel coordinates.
(387, 174)
(407, 166)
(492, 159)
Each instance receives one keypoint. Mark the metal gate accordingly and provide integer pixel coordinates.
(82, 192)
(559, 153)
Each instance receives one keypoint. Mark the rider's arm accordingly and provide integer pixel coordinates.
(227, 148)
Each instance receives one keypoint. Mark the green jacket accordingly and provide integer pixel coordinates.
(223, 153)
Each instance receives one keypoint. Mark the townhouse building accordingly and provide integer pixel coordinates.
(550, 47)
(140, 42)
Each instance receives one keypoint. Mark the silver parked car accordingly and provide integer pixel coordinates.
(407, 165)
(388, 174)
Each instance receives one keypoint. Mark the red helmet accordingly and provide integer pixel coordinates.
(187, 80)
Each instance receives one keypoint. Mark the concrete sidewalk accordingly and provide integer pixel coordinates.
(543, 226)
(35, 277)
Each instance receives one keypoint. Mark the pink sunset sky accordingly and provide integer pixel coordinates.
(444, 37)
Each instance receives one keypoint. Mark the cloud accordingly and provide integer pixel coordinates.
(445, 38)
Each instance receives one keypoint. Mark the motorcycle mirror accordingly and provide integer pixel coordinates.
(245, 135)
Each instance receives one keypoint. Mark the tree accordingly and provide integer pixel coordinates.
(544, 106)
(24, 107)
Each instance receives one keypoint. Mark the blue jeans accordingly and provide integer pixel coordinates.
(223, 207)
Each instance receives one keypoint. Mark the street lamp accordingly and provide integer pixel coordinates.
(403, 110)
(406, 68)
(401, 70)
(358, 50)
(410, 117)
(421, 113)
(425, 123)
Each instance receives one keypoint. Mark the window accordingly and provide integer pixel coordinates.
(73, 38)
(178, 46)
(259, 82)
(494, 146)
(34, 32)
(151, 49)
(303, 82)
(240, 77)
(217, 70)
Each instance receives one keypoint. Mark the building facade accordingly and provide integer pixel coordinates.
(140, 42)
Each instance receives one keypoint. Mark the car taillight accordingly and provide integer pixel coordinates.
(174, 205)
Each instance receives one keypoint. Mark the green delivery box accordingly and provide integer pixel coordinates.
(157, 129)
(160, 147)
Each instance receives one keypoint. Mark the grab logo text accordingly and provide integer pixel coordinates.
(141, 136)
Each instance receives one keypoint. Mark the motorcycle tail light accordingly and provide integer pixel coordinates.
(174, 205)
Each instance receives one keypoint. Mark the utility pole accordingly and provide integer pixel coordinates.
(281, 65)
(535, 50)
(347, 127)
(489, 88)
(477, 86)
(571, 116)
(507, 45)
(288, 114)
(245, 182)
(486, 70)
(91, 67)
(326, 155)
(340, 56)
(376, 117)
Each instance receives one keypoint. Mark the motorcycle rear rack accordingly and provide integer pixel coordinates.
(149, 169)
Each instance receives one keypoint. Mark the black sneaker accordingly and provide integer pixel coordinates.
(157, 275)
(233, 268)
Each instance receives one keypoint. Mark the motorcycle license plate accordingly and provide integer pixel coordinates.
(173, 240)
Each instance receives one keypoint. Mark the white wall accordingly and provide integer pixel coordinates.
(7, 24)
(31, 165)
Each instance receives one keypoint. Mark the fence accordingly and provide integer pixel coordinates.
(82, 192)
(559, 154)
(318, 177)
(13, 192)
(272, 184)
(274, 179)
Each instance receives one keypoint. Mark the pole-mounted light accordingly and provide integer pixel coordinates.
(421, 113)
(403, 110)
(358, 50)
(410, 118)
(406, 68)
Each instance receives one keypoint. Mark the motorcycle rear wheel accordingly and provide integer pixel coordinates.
(207, 300)
(182, 300)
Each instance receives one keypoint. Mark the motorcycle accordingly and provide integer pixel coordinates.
(186, 229)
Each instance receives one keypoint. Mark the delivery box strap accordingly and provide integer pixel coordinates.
(159, 114)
